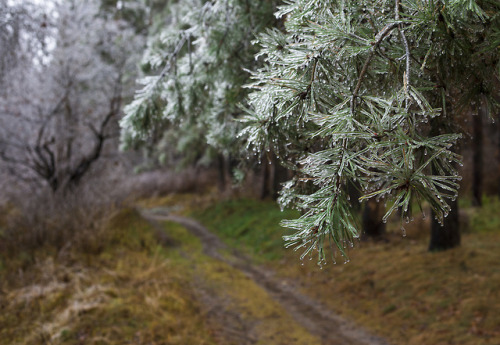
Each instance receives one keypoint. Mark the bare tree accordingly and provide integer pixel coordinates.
(58, 113)
(24, 28)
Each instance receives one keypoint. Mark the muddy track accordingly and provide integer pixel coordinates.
(315, 317)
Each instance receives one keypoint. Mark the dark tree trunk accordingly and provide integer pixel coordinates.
(264, 188)
(477, 156)
(445, 236)
(280, 176)
(221, 176)
(272, 175)
(354, 195)
(272, 182)
(373, 226)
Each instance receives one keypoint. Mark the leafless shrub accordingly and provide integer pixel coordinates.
(58, 220)
(163, 182)
(38, 218)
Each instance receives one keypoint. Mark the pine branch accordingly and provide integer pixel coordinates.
(378, 40)
(406, 80)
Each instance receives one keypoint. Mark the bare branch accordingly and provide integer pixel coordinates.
(52, 113)
(86, 162)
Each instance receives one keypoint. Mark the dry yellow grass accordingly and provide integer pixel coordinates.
(262, 319)
(395, 288)
(127, 289)
(134, 292)
(411, 296)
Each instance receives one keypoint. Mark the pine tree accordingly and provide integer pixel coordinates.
(352, 92)
(194, 79)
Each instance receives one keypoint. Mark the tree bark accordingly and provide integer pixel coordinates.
(264, 171)
(280, 176)
(272, 175)
(445, 236)
(373, 226)
(477, 156)
(221, 176)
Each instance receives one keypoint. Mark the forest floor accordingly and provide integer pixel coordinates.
(156, 276)
(306, 313)
(394, 287)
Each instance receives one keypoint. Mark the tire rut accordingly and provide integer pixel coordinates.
(312, 315)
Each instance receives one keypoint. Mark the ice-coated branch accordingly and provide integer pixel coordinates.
(378, 40)
(406, 80)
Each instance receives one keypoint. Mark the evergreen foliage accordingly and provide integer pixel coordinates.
(363, 92)
(367, 92)
(194, 77)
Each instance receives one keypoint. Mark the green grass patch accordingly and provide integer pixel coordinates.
(395, 288)
(131, 289)
(248, 225)
(486, 218)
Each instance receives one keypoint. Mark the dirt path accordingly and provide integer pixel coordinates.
(313, 316)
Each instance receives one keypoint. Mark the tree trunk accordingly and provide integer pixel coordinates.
(373, 226)
(445, 236)
(272, 175)
(280, 175)
(498, 155)
(272, 183)
(264, 187)
(477, 156)
(221, 176)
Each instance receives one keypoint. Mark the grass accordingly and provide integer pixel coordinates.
(134, 292)
(123, 287)
(252, 227)
(486, 218)
(129, 289)
(395, 288)
(262, 320)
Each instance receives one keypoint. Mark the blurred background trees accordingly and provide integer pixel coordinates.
(344, 101)
(194, 69)
(60, 105)
(368, 94)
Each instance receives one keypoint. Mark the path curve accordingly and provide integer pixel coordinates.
(312, 315)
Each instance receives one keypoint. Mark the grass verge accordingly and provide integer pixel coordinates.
(248, 225)
(394, 288)
(133, 292)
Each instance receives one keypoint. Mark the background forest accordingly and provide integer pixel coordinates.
(157, 159)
